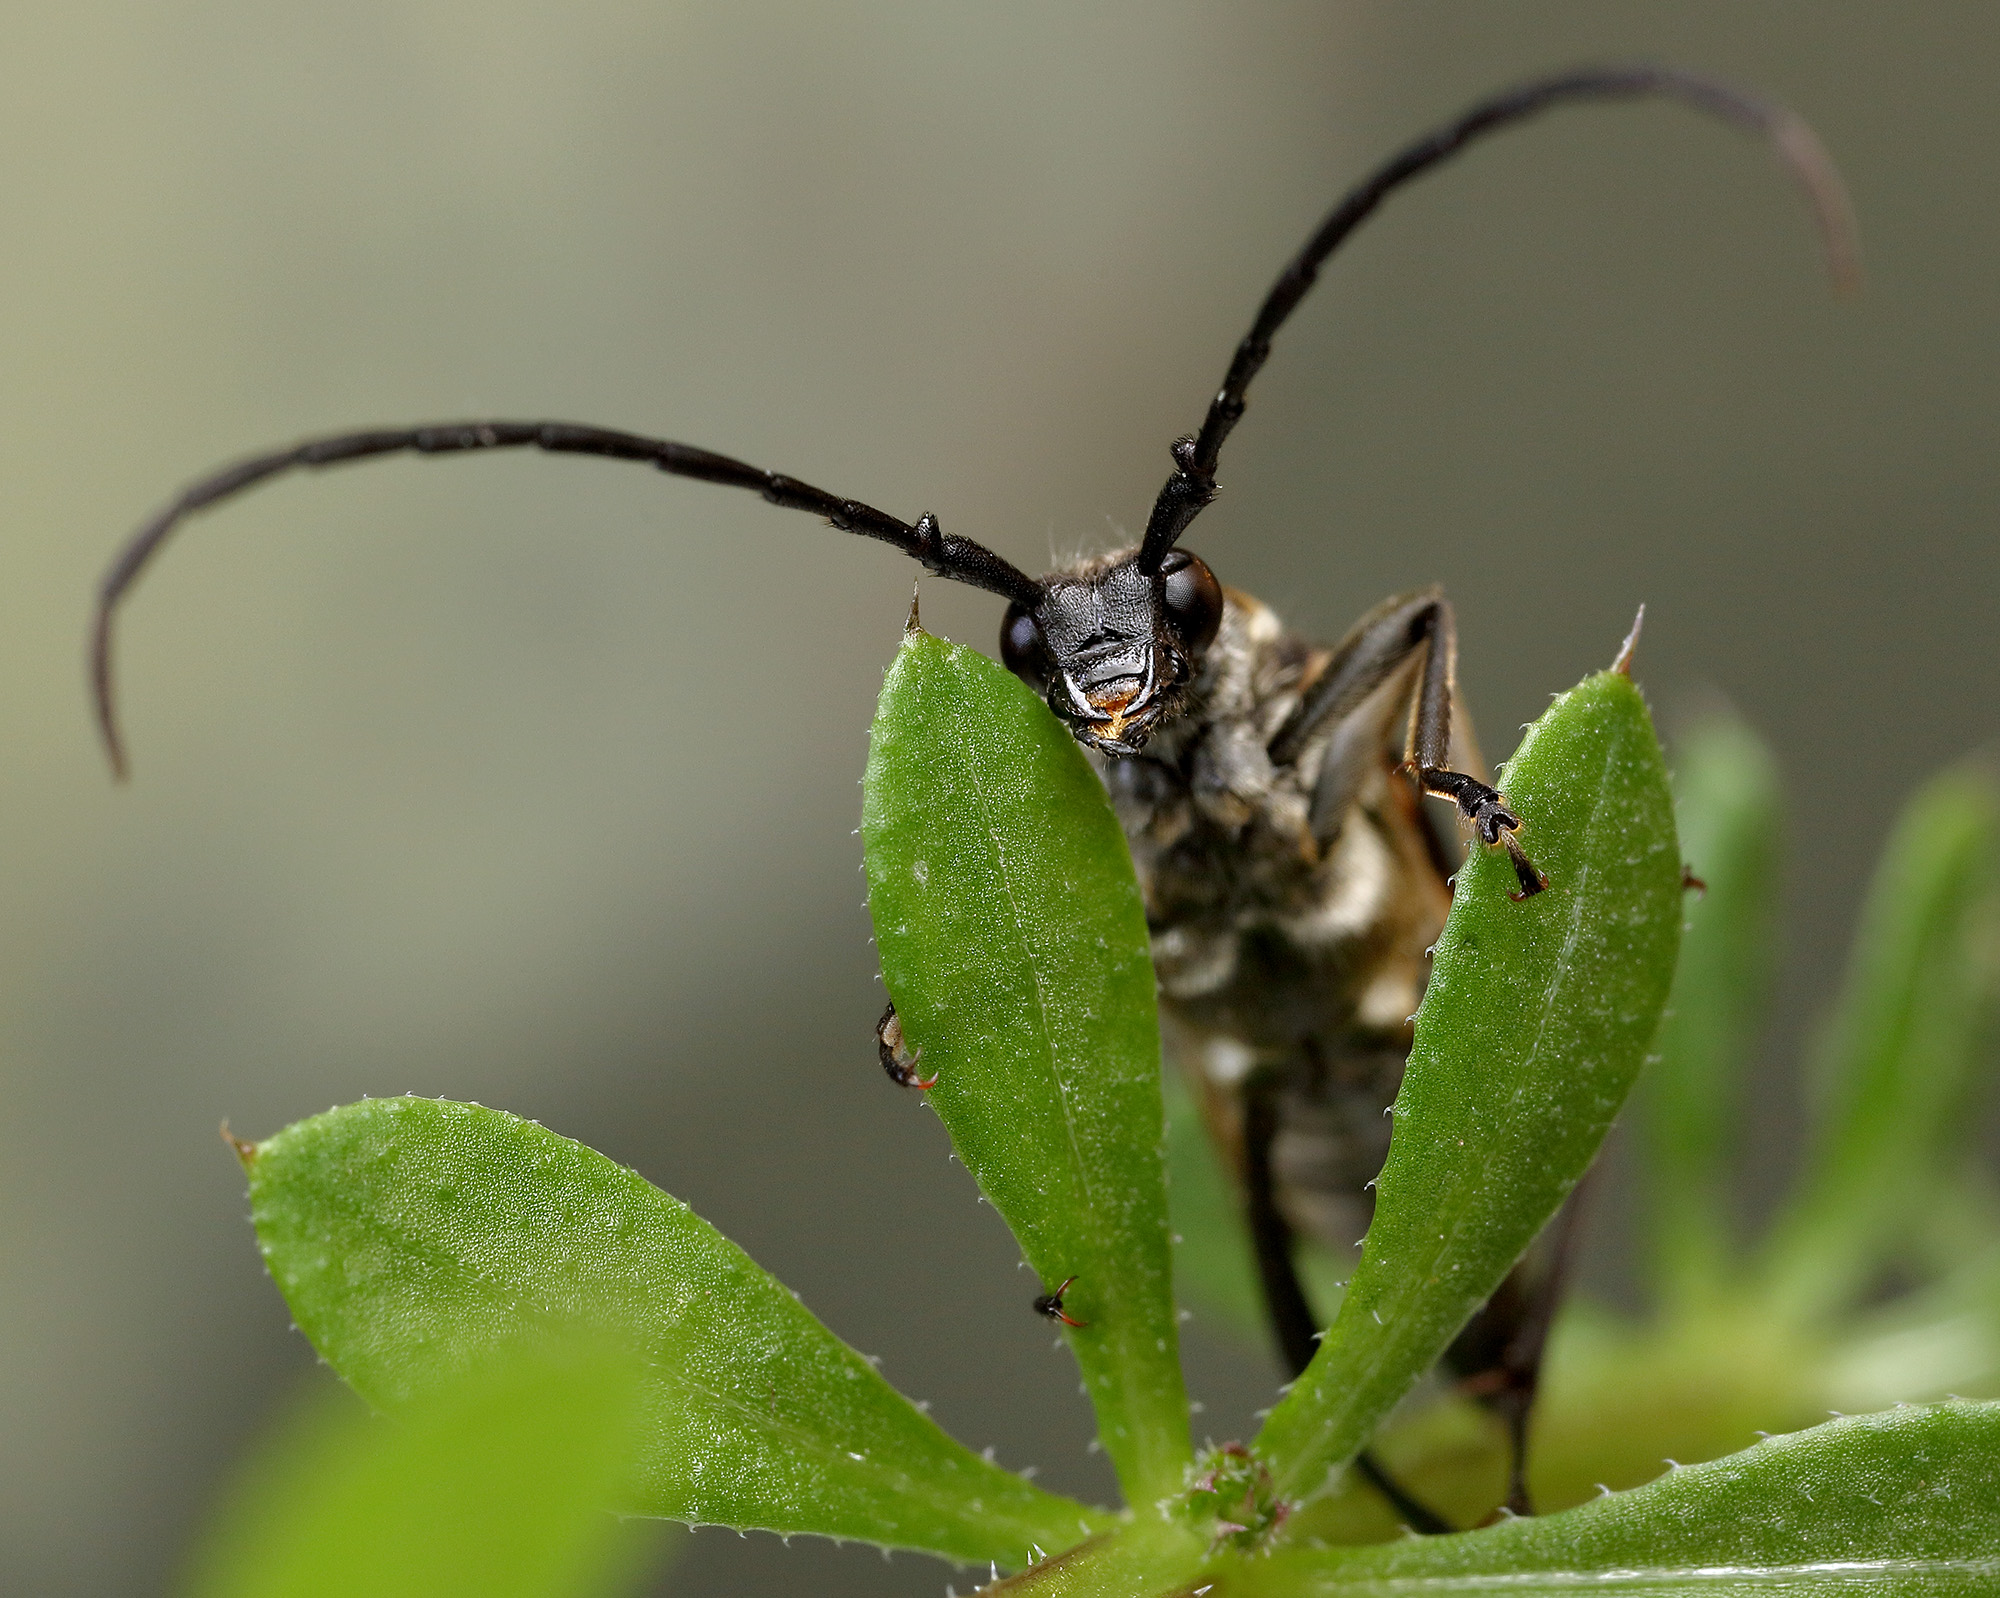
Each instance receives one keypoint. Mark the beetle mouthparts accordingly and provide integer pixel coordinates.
(1112, 698)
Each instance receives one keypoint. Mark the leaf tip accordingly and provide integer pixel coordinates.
(245, 1150)
(1623, 664)
(914, 625)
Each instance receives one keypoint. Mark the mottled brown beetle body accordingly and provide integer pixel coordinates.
(1292, 906)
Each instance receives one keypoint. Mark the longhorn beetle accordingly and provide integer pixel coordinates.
(1271, 788)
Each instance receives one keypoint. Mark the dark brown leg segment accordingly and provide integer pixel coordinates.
(1375, 651)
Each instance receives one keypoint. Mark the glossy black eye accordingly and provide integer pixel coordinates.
(1021, 649)
(1193, 599)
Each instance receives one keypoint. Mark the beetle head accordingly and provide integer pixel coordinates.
(1113, 647)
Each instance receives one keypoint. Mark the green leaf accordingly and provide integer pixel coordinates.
(1910, 1041)
(1014, 944)
(1536, 1021)
(1903, 1503)
(412, 1237)
(1727, 811)
(495, 1487)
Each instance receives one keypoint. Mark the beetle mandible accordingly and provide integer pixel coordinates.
(1272, 790)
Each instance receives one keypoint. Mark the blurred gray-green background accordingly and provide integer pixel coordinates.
(533, 781)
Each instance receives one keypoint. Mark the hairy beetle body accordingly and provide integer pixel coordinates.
(1292, 945)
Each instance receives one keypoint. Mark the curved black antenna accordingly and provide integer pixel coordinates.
(942, 553)
(1192, 485)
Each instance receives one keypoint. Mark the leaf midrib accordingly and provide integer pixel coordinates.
(1638, 1578)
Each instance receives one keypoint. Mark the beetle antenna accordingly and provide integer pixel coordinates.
(1192, 485)
(945, 554)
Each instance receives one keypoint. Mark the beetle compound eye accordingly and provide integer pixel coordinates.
(1193, 599)
(1021, 648)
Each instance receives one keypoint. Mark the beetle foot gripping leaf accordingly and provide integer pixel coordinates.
(898, 1059)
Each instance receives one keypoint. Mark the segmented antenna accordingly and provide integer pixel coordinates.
(944, 553)
(1192, 485)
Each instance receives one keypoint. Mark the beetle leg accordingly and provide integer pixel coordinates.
(1430, 748)
(1293, 1323)
(1051, 1305)
(1379, 646)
